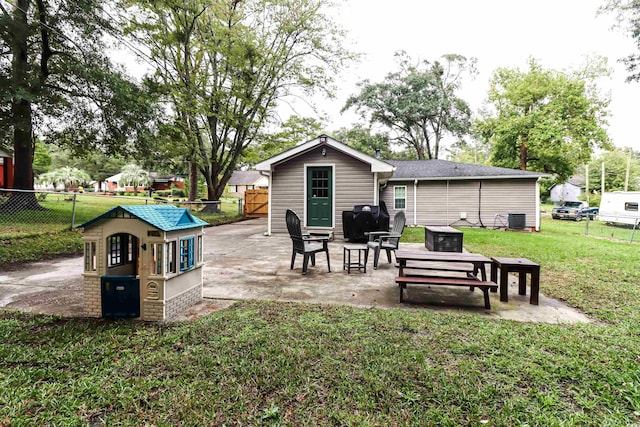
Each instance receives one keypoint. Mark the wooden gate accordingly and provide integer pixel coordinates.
(256, 203)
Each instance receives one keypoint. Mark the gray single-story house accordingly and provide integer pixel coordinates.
(322, 177)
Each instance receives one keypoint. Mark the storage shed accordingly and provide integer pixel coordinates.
(142, 261)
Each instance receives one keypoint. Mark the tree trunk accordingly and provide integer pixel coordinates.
(193, 181)
(523, 155)
(21, 116)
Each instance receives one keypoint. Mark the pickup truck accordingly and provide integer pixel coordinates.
(574, 210)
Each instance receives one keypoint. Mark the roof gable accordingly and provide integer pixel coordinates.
(444, 169)
(375, 164)
(162, 217)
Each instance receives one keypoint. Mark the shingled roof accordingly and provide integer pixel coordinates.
(163, 217)
(437, 169)
(244, 178)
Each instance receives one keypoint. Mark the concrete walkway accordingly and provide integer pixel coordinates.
(242, 263)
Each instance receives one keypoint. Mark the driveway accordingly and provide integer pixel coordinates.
(242, 263)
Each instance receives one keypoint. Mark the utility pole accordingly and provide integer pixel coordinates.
(586, 182)
(602, 180)
(626, 176)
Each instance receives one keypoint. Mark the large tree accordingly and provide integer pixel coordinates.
(367, 141)
(544, 120)
(419, 102)
(224, 65)
(628, 19)
(56, 81)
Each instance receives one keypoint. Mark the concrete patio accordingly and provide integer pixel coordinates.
(242, 264)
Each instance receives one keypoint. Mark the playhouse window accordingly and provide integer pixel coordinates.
(400, 197)
(199, 248)
(171, 257)
(90, 256)
(186, 253)
(116, 250)
(156, 258)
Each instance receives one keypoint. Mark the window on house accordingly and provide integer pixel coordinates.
(170, 262)
(200, 255)
(90, 256)
(400, 197)
(186, 253)
(631, 206)
(156, 258)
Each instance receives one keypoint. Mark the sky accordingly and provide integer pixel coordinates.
(499, 33)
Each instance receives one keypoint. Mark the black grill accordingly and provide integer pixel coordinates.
(363, 219)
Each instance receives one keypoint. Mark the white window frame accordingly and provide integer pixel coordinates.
(396, 199)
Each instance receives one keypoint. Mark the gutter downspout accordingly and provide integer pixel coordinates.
(268, 175)
(415, 202)
(538, 204)
(375, 189)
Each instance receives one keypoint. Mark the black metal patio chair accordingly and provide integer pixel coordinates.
(304, 243)
(385, 240)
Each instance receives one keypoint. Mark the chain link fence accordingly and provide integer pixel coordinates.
(27, 213)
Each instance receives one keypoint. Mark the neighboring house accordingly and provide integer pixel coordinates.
(323, 177)
(570, 191)
(6, 170)
(157, 183)
(241, 181)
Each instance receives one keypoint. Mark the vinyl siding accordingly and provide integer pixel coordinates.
(441, 202)
(353, 186)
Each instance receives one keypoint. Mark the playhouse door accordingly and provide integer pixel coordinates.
(120, 296)
(319, 196)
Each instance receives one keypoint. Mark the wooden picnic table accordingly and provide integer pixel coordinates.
(444, 261)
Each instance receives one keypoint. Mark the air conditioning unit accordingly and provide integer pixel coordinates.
(517, 221)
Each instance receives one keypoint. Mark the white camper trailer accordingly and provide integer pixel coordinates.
(620, 207)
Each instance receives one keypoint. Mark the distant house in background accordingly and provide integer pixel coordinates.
(241, 181)
(6, 170)
(157, 183)
(570, 191)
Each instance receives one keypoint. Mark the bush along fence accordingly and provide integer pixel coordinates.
(24, 213)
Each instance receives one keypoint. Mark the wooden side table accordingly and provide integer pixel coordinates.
(346, 257)
(522, 266)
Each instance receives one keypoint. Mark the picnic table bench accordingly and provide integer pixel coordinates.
(444, 261)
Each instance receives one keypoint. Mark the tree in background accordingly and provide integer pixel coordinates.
(545, 120)
(476, 152)
(628, 19)
(135, 176)
(98, 165)
(65, 176)
(615, 170)
(57, 82)
(362, 139)
(225, 64)
(295, 130)
(419, 102)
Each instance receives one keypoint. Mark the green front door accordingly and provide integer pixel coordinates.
(319, 196)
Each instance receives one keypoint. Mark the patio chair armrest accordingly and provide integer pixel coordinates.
(390, 236)
(375, 235)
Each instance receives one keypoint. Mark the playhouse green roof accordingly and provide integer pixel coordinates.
(163, 217)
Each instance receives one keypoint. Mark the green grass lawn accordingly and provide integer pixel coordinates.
(262, 363)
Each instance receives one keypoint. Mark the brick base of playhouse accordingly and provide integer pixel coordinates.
(150, 309)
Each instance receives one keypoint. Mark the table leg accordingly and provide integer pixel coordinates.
(366, 255)
(522, 282)
(504, 284)
(535, 285)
